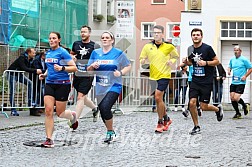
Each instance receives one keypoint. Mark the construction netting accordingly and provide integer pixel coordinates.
(27, 23)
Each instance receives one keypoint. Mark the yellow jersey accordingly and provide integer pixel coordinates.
(158, 58)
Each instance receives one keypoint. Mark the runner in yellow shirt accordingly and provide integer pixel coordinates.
(161, 55)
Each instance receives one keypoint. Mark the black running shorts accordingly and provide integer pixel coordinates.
(201, 91)
(162, 84)
(59, 91)
(237, 88)
(83, 84)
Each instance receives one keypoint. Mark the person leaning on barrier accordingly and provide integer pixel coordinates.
(241, 68)
(22, 63)
(38, 86)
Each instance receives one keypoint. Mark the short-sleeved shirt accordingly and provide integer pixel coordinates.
(61, 57)
(239, 67)
(202, 74)
(83, 51)
(158, 58)
(115, 59)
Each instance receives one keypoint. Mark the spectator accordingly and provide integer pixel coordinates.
(219, 77)
(38, 86)
(181, 86)
(22, 63)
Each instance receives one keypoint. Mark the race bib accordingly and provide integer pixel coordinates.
(103, 80)
(199, 71)
(236, 78)
(81, 68)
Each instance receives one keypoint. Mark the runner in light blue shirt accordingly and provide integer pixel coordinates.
(241, 69)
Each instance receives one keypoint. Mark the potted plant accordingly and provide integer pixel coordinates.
(111, 18)
(98, 17)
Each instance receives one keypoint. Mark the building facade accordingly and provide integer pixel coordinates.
(224, 25)
(155, 12)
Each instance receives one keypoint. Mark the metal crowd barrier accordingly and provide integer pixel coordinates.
(138, 92)
(23, 90)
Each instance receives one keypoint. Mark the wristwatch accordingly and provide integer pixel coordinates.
(63, 68)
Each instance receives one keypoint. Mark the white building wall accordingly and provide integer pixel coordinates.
(211, 9)
(211, 14)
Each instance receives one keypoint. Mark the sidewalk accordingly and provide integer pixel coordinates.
(25, 120)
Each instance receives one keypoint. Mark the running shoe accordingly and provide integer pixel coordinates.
(96, 114)
(195, 130)
(237, 116)
(159, 128)
(167, 124)
(186, 113)
(246, 110)
(219, 114)
(110, 137)
(48, 143)
(73, 123)
(199, 111)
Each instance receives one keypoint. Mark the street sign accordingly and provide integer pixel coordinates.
(176, 41)
(176, 31)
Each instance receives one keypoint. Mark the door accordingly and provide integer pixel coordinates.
(227, 52)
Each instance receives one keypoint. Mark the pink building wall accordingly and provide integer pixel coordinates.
(161, 14)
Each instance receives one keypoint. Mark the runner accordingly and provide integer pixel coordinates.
(109, 64)
(203, 59)
(161, 55)
(82, 82)
(59, 64)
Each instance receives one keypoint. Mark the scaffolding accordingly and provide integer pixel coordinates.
(27, 23)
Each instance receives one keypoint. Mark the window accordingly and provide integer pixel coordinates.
(147, 30)
(96, 7)
(169, 30)
(237, 29)
(110, 7)
(158, 2)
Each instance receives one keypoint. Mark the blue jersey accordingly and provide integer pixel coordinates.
(115, 59)
(190, 73)
(239, 67)
(59, 56)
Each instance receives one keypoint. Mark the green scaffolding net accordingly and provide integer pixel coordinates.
(33, 20)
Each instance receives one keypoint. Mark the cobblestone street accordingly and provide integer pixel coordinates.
(226, 143)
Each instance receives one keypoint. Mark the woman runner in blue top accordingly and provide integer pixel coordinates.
(109, 65)
(59, 64)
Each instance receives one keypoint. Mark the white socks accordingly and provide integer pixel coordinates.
(67, 114)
